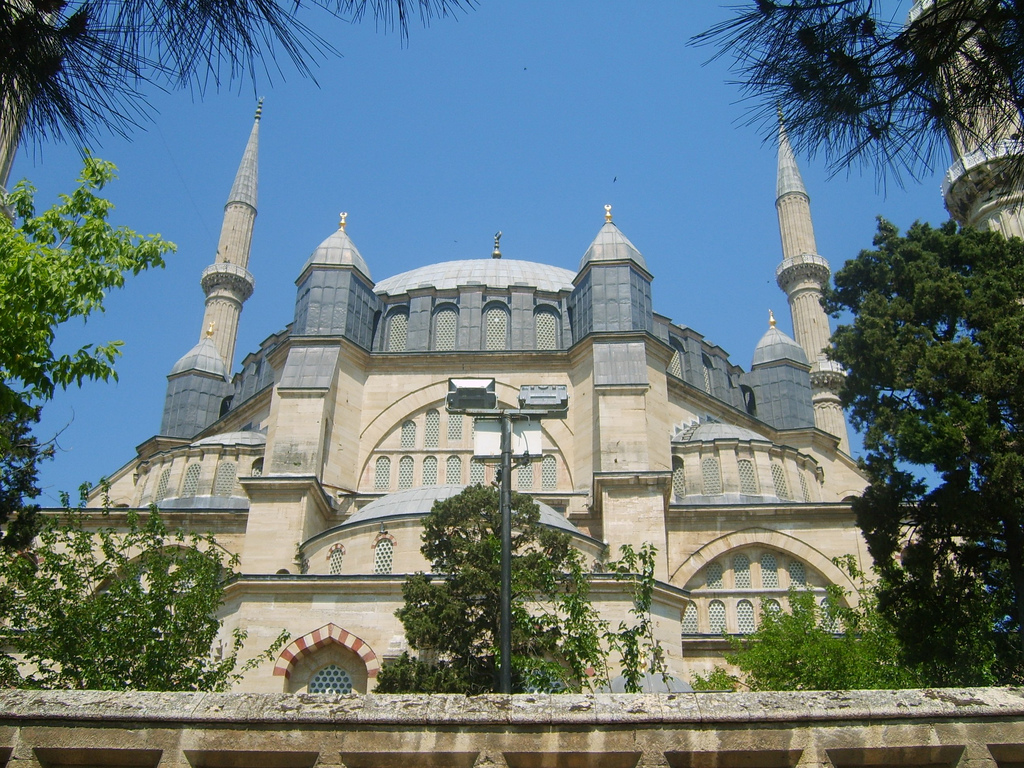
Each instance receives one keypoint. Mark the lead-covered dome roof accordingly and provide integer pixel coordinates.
(611, 245)
(775, 346)
(492, 273)
(338, 249)
(203, 357)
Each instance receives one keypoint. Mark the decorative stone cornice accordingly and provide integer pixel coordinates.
(827, 375)
(802, 268)
(976, 175)
(222, 275)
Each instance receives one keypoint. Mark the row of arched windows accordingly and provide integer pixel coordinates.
(453, 469)
(383, 556)
(224, 481)
(711, 479)
(496, 328)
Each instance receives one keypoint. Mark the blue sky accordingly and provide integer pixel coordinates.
(521, 116)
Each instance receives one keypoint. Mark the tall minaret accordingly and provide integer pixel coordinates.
(802, 275)
(227, 283)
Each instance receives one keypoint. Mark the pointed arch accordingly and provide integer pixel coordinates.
(318, 638)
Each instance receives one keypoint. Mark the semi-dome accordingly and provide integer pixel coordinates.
(714, 431)
(338, 249)
(611, 245)
(203, 357)
(234, 438)
(418, 501)
(775, 346)
(492, 273)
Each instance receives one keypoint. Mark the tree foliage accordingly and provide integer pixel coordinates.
(857, 80)
(935, 364)
(95, 608)
(20, 454)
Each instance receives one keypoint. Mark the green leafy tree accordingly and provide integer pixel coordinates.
(856, 79)
(128, 609)
(935, 368)
(20, 454)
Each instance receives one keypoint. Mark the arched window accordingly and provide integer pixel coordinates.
(496, 328)
(548, 474)
(330, 679)
(707, 367)
(477, 473)
(446, 322)
(797, 574)
(524, 477)
(741, 571)
(546, 330)
(431, 429)
(745, 617)
(161, 487)
(749, 402)
(382, 474)
(829, 620)
(383, 556)
(714, 576)
(405, 473)
(716, 617)
(454, 428)
(430, 470)
(453, 470)
(335, 558)
(690, 625)
(398, 329)
(804, 490)
(191, 485)
(779, 479)
(224, 483)
(712, 476)
(257, 468)
(408, 435)
(769, 571)
(678, 479)
(675, 365)
(770, 605)
(748, 478)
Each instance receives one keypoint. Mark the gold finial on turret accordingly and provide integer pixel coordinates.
(259, 109)
(771, 319)
(608, 214)
(341, 223)
(209, 331)
(497, 247)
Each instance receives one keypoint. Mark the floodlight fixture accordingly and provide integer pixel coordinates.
(466, 395)
(543, 397)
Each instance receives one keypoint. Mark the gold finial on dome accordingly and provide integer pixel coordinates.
(497, 248)
(209, 331)
(259, 109)
(608, 214)
(341, 223)
(771, 319)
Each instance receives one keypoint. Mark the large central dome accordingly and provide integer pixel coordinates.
(492, 273)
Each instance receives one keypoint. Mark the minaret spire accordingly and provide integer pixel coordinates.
(803, 274)
(227, 282)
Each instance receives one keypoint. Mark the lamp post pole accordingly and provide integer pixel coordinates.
(505, 508)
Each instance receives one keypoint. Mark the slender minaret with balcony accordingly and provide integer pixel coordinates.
(802, 275)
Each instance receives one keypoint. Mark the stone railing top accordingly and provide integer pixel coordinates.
(453, 710)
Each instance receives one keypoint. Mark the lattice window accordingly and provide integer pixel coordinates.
(675, 365)
(454, 428)
(714, 576)
(335, 558)
(797, 574)
(712, 476)
(331, 679)
(382, 474)
(678, 479)
(453, 470)
(548, 474)
(445, 324)
(191, 485)
(405, 473)
(496, 324)
(745, 617)
(769, 572)
(779, 479)
(829, 621)
(716, 617)
(770, 605)
(546, 328)
(748, 478)
(408, 435)
(477, 472)
(430, 470)
(741, 571)
(161, 487)
(398, 329)
(383, 556)
(706, 366)
(257, 468)
(432, 429)
(690, 625)
(805, 492)
(524, 477)
(224, 483)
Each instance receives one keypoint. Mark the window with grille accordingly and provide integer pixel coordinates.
(804, 490)
(224, 483)
(829, 621)
(712, 476)
(769, 572)
(335, 558)
(408, 435)
(430, 470)
(331, 679)
(453, 470)
(716, 617)
(779, 479)
(546, 328)
(454, 428)
(548, 473)
(524, 477)
(191, 485)
(678, 479)
(398, 328)
(690, 626)
(741, 571)
(476, 472)
(770, 605)
(797, 574)
(706, 366)
(383, 556)
(714, 576)
(748, 478)
(382, 474)
(496, 325)
(405, 473)
(432, 429)
(745, 617)
(445, 324)
(161, 487)
(675, 365)
(257, 468)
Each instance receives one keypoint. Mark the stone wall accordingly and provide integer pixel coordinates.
(960, 728)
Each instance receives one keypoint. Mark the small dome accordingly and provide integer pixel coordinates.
(712, 430)
(338, 249)
(611, 245)
(493, 273)
(202, 357)
(775, 346)
(234, 438)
